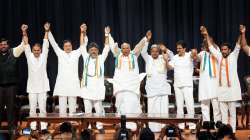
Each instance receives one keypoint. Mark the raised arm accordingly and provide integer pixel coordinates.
(238, 45)
(144, 54)
(244, 44)
(83, 39)
(45, 48)
(107, 43)
(113, 46)
(144, 42)
(52, 41)
(211, 46)
(17, 51)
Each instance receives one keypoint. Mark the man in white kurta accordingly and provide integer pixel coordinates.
(38, 82)
(67, 85)
(208, 84)
(157, 87)
(126, 82)
(93, 89)
(182, 63)
(229, 91)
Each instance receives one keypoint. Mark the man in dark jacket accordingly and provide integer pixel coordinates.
(9, 77)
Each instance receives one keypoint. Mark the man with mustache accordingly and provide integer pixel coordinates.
(183, 66)
(208, 83)
(67, 85)
(9, 79)
(93, 89)
(229, 91)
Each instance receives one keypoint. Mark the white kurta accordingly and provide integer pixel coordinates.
(183, 70)
(38, 81)
(156, 70)
(67, 81)
(208, 86)
(126, 79)
(95, 89)
(232, 93)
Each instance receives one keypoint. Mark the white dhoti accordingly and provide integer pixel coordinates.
(88, 106)
(128, 103)
(41, 99)
(64, 101)
(157, 105)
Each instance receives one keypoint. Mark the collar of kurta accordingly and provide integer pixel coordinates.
(131, 60)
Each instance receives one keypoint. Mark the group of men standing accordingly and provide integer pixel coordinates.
(219, 83)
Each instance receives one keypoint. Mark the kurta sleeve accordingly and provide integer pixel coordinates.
(45, 47)
(170, 55)
(144, 54)
(53, 43)
(27, 50)
(105, 52)
(17, 51)
(138, 48)
(236, 50)
(171, 62)
(83, 48)
(215, 52)
(115, 49)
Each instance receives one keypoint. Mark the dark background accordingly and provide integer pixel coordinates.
(169, 20)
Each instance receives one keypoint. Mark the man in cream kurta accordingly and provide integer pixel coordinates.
(126, 82)
(157, 86)
(67, 85)
(229, 91)
(208, 84)
(38, 82)
(93, 89)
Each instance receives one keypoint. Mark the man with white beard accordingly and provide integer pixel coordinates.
(67, 85)
(38, 82)
(126, 80)
(157, 87)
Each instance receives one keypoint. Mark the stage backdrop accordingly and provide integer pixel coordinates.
(169, 20)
